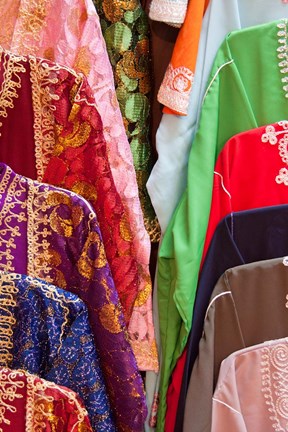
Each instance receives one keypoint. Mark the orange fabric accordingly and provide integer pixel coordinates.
(177, 84)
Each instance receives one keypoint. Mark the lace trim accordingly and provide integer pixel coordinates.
(12, 66)
(38, 232)
(283, 54)
(44, 121)
(11, 217)
(33, 15)
(176, 88)
(170, 12)
(274, 371)
(272, 137)
(9, 392)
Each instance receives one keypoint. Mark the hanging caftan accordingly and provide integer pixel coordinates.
(168, 178)
(248, 306)
(53, 234)
(240, 238)
(29, 403)
(61, 126)
(69, 33)
(126, 33)
(251, 393)
(238, 92)
(45, 330)
(248, 174)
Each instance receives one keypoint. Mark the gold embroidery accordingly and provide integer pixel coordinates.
(86, 264)
(38, 232)
(83, 61)
(114, 9)
(64, 226)
(272, 136)
(11, 217)
(86, 190)
(8, 293)
(9, 392)
(13, 66)
(76, 138)
(125, 229)
(109, 317)
(143, 295)
(44, 135)
(40, 406)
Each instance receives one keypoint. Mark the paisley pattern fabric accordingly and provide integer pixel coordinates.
(61, 130)
(126, 32)
(69, 32)
(45, 331)
(53, 234)
(29, 403)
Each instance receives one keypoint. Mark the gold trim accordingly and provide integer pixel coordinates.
(12, 67)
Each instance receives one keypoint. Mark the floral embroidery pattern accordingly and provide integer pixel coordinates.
(169, 11)
(125, 30)
(176, 88)
(274, 371)
(272, 136)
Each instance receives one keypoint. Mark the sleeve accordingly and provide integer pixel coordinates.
(92, 281)
(221, 337)
(77, 367)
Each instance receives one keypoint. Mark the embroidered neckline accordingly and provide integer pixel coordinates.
(274, 372)
(283, 53)
(272, 136)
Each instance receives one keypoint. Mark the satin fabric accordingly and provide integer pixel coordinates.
(175, 134)
(237, 317)
(29, 403)
(246, 175)
(45, 331)
(53, 234)
(240, 238)
(251, 394)
(236, 91)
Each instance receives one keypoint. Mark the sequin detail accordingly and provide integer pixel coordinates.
(71, 152)
(51, 336)
(274, 371)
(76, 40)
(272, 137)
(176, 88)
(55, 258)
(126, 32)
